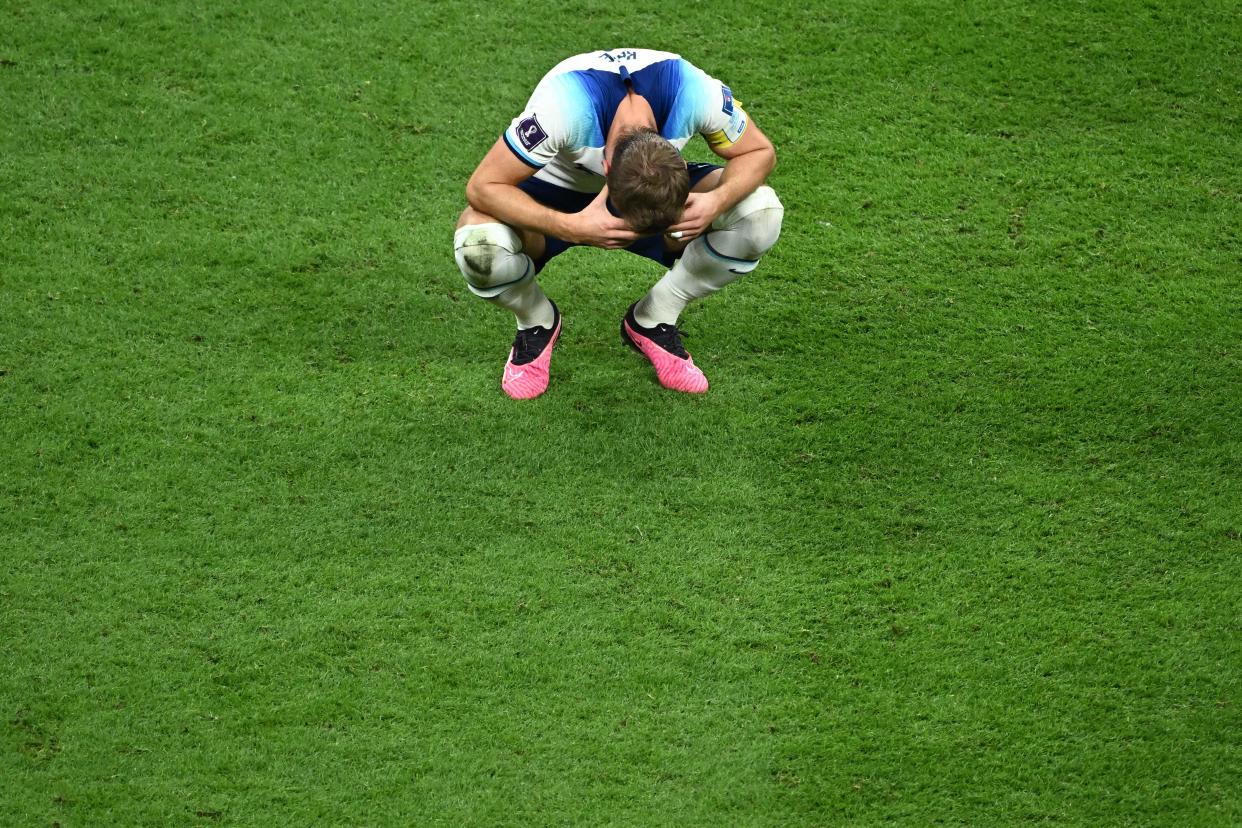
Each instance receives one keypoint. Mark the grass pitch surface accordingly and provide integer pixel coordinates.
(954, 538)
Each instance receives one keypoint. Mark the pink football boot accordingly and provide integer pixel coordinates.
(530, 358)
(662, 345)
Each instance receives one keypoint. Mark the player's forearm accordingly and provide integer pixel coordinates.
(742, 175)
(508, 204)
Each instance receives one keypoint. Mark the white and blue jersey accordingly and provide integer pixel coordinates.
(561, 132)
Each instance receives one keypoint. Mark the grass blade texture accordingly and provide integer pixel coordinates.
(953, 538)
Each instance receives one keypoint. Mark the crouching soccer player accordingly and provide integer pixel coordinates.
(595, 159)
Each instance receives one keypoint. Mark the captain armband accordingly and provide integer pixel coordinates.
(732, 132)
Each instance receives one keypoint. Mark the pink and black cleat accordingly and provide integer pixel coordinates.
(662, 345)
(528, 367)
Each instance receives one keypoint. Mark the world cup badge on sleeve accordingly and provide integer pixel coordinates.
(530, 133)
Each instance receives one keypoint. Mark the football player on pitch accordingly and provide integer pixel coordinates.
(595, 159)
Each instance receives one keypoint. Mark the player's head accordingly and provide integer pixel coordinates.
(647, 181)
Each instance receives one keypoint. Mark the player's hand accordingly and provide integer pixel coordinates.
(598, 227)
(697, 216)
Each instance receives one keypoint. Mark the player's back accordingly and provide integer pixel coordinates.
(565, 125)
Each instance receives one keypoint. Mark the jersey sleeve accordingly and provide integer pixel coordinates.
(531, 137)
(719, 117)
(547, 125)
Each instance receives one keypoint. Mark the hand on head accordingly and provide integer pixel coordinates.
(598, 227)
(696, 219)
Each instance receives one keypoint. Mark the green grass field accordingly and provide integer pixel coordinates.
(953, 539)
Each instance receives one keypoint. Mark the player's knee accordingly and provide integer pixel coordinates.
(754, 223)
(490, 257)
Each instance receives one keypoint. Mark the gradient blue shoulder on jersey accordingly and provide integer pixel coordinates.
(697, 94)
(660, 83)
(576, 110)
(603, 92)
(600, 93)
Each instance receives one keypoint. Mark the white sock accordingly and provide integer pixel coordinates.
(730, 249)
(663, 303)
(698, 273)
(529, 304)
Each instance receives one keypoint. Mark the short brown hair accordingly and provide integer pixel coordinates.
(647, 181)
